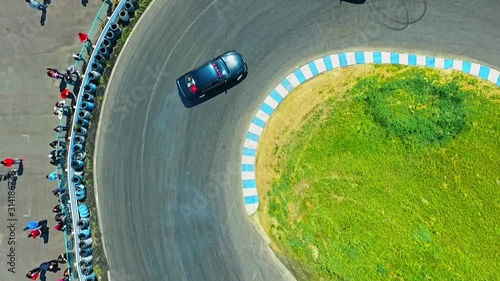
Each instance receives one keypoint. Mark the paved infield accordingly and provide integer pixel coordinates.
(169, 178)
(27, 97)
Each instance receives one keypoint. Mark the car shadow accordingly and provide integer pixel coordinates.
(20, 169)
(43, 17)
(353, 1)
(45, 234)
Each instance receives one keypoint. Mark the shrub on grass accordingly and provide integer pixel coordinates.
(432, 112)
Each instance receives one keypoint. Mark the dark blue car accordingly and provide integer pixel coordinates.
(215, 76)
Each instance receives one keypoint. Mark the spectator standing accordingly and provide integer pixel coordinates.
(54, 73)
(66, 94)
(35, 224)
(33, 274)
(57, 191)
(78, 57)
(60, 217)
(56, 143)
(59, 129)
(7, 162)
(36, 5)
(71, 70)
(57, 209)
(35, 233)
(11, 174)
(60, 227)
(62, 258)
(52, 176)
(53, 266)
(55, 154)
(59, 109)
(49, 266)
(84, 38)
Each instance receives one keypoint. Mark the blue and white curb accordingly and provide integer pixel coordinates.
(330, 62)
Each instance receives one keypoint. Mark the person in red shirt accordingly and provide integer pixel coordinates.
(60, 226)
(35, 233)
(83, 37)
(7, 162)
(33, 274)
(65, 94)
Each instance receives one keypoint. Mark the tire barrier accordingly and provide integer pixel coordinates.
(77, 165)
(84, 114)
(83, 223)
(84, 244)
(111, 36)
(124, 17)
(81, 195)
(77, 179)
(86, 261)
(89, 106)
(83, 211)
(94, 76)
(81, 131)
(79, 139)
(91, 277)
(111, 32)
(135, 3)
(108, 45)
(79, 156)
(129, 7)
(90, 88)
(103, 51)
(88, 97)
(84, 234)
(87, 270)
(86, 252)
(117, 31)
(97, 67)
(78, 148)
(82, 123)
(100, 59)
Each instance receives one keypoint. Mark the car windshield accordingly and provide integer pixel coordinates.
(220, 69)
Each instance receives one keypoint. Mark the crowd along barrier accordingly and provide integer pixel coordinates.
(80, 213)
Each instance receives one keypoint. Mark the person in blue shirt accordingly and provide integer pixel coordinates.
(52, 176)
(32, 225)
(49, 266)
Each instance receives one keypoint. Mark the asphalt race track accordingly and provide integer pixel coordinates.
(168, 177)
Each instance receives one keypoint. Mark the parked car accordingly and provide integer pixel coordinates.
(215, 76)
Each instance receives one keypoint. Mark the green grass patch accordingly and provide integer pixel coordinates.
(395, 178)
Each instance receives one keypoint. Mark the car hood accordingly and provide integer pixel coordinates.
(234, 62)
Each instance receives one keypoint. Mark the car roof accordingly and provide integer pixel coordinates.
(205, 74)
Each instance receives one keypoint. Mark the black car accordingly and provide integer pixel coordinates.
(215, 76)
